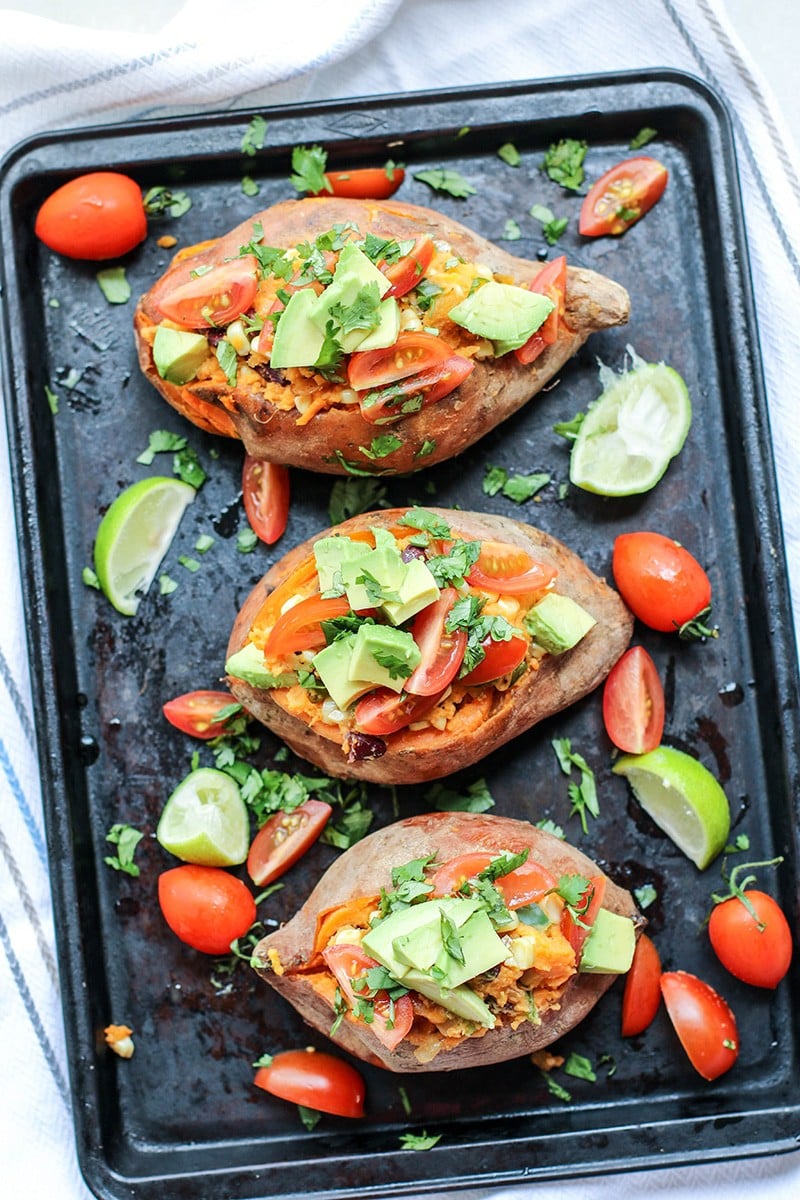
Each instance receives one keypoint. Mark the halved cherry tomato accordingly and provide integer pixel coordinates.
(442, 652)
(500, 658)
(633, 703)
(621, 196)
(96, 216)
(392, 403)
(390, 1019)
(661, 582)
(642, 994)
(410, 354)
(406, 273)
(756, 949)
(528, 883)
(383, 711)
(364, 183)
(315, 1080)
(195, 713)
(284, 838)
(213, 299)
(551, 281)
(509, 570)
(206, 907)
(265, 489)
(703, 1021)
(299, 627)
(577, 931)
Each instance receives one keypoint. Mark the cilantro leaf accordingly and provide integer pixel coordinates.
(160, 200)
(228, 359)
(160, 441)
(584, 794)
(456, 564)
(570, 429)
(555, 1088)
(382, 446)
(126, 839)
(308, 169)
(521, 487)
(563, 162)
(509, 154)
(645, 895)
(645, 135)
(419, 1141)
(580, 1067)
(349, 497)
(443, 180)
(114, 285)
(511, 231)
(186, 465)
(253, 139)
(503, 864)
(422, 518)
(363, 313)
(475, 798)
(549, 826)
(494, 480)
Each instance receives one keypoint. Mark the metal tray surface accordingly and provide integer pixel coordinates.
(182, 1117)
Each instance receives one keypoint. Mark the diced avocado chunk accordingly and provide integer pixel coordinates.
(298, 340)
(417, 589)
(503, 313)
(377, 572)
(557, 623)
(248, 664)
(330, 555)
(387, 330)
(384, 655)
(178, 354)
(608, 950)
(378, 941)
(333, 667)
(461, 1001)
(481, 948)
(354, 272)
(419, 948)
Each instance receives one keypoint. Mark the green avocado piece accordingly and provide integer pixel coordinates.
(416, 590)
(333, 667)
(557, 623)
(298, 340)
(383, 565)
(330, 555)
(502, 312)
(481, 950)
(608, 950)
(354, 272)
(461, 1001)
(387, 330)
(248, 664)
(178, 354)
(378, 941)
(384, 655)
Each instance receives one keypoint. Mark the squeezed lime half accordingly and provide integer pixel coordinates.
(205, 820)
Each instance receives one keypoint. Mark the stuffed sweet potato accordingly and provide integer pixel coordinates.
(406, 644)
(452, 940)
(330, 333)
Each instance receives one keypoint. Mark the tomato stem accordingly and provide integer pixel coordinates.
(737, 890)
(696, 630)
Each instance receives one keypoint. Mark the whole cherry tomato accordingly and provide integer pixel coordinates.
(206, 907)
(749, 932)
(642, 994)
(315, 1080)
(703, 1022)
(662, 583)
(96, 216)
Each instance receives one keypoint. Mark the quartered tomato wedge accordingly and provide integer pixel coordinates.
(416, 392)
(383, 711)
(390, 1020)
(265, 489)
(195, 713)
(551, 281)
(284, 838)
(442, 652)
(406, 273)
(527, 884)
(500, 658)
(315, 1080)
(621, 196)
(577, 931)
(703, 1022)
(410, 354)
(213, 299)
(642, 994)
(633, 703)
(299, 627)
(509, 570)
(365, 183)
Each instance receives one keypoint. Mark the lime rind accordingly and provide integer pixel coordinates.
(633, 430)
(682, 797)
(205, 820)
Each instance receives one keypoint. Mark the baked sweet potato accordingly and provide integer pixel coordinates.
(492, 671)
(313, 417)
(531, 1005)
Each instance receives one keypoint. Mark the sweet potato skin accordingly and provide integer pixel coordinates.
(366, 867)
(417, 756)
(495, 389)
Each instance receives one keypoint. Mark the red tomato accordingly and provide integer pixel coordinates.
(406, 273)
(500, 658)
(661, 582)
(383, 711)
(364, 183)
(410, 354)
(642, 994)
(216, 298)
(509, 570)
(394, 402)
(703, 1022)
(283, 839)
(315, 1080)
(621, 196)
(390, 1019)
(526, 884)
(205, 907)
(442, 652)
(633, 703)
(575, 933)
(757, 949)
(265, 488)
(96, 216)
(551, 281)
(195, 712)
(299, 627)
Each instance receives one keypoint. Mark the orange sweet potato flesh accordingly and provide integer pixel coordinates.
(367, 866)
(495, 389)
(414, 756)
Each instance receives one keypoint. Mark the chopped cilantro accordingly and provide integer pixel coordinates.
(355, 819)
(511, 231)
(418, 1141)
(246, 541)
(552, 226)
(503, 864)
(249, 186)
(427, 447)
(228, 359)
(404, 1100)
(52, 399)
(204, 543)
(509, 154)
(191, 564)
(349, 497)
(454, 566)
(563, 162)
(126, 839)
(382, 446)
(166, 585)
(253, 138)
(475, 798)
(425, 293)
(548, 826)
(493, 480)
(310, 1117)
(645, 135)
(645, 895)
(422, 518)
(555, 1088)
(159, 201)
(308, 169)
(569, 429)
(742, 843)
(186, 465)
(520, 488)
(584, 794)
(160, 441)
(580, 1067)
(444, 180)
(89, 577)
(363, 313)
(114, 285)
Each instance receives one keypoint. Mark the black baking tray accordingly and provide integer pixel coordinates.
(182, 1117)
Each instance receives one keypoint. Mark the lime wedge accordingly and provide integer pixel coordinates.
(630, 434)
(134, 536)
(683, 798)
(205, 820)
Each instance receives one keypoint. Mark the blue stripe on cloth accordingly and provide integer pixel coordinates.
(33, 1014)
(24, 807)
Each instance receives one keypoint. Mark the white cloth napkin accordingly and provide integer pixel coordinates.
(56, 75)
